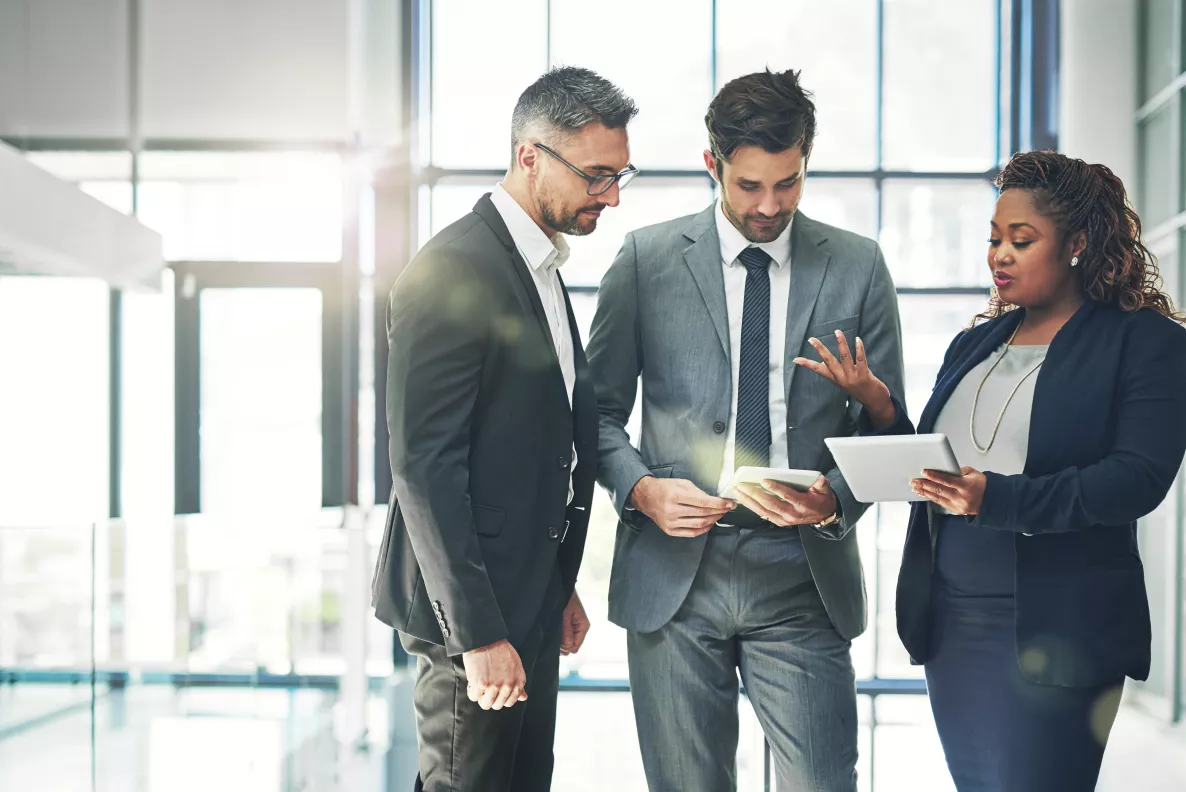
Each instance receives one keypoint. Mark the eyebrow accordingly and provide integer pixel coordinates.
(601, 168)
(1014, 226)
(791, 178)
(741, 179)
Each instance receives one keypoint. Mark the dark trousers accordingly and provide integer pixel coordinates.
(1001, 732)
(464, 748)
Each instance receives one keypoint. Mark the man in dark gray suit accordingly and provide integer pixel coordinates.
(493, 425)
(711, 311)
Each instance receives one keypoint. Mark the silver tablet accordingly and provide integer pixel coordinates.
(799, 480)
(879, 469)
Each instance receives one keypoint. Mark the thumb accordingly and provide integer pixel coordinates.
(821, 484)
(965, 470)
(566, 639)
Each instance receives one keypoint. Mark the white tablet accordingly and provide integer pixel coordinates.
(879, 469)
(800, 480)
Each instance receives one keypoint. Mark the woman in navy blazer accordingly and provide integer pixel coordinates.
(1022, 591)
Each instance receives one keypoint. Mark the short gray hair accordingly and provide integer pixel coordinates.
(566, 99)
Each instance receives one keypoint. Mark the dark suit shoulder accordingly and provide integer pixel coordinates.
(1148, 323)
(450, 267)
(465, 236)
(1148, 335)
(465, 248)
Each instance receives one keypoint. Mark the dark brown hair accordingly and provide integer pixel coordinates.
(1115, 267)
(766, 109)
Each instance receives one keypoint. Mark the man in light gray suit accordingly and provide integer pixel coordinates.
(712, 310)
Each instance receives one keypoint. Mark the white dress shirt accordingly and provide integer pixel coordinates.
(732, 243)
(544, 259)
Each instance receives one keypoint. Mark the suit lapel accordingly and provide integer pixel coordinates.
(995, 336)
(703, 258)
(584, 404)
(809, 264)
(488, 212)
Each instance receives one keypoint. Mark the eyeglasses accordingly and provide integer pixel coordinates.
(598, 185)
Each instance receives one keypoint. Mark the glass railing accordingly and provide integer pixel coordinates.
(193, 653)
(239, 652)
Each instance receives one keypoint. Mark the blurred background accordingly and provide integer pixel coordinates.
(203, 205)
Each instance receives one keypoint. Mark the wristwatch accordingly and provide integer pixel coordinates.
(835, 518)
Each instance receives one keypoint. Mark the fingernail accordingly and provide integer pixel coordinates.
(813, 340)
(838, 332)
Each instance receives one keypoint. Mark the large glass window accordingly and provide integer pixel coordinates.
(220, 206)
(146, 343)
(834, 45)
(469, 100)
(935, 233)
(54, 402)
(260, 400)
(887, 108)
(940, 110)
(1160, 199)
(661, 59)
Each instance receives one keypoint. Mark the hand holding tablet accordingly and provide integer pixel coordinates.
(880, 469)
(799, 480)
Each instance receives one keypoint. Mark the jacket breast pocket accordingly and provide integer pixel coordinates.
(488, 520)
(662, 471)
(826, 332)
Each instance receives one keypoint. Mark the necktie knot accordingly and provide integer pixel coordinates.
(753, 258)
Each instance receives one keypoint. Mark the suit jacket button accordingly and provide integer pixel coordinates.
(563, 462)
(553, 532)
(719, 427)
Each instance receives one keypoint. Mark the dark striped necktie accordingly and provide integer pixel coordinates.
(753, 378)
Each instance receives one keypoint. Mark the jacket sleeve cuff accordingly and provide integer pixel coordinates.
(901, 425)
(623, 474)
(480, 627)
(848, 508)
(994, 506)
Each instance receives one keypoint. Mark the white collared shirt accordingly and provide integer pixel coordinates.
(544, 260)
(732, 243)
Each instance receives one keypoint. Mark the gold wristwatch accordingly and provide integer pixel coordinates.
(835, 518)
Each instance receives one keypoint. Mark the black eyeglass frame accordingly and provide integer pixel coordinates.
(627, 175)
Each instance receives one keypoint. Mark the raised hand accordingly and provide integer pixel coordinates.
(851, 374)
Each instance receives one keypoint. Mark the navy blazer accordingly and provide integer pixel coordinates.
(1106, 440)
